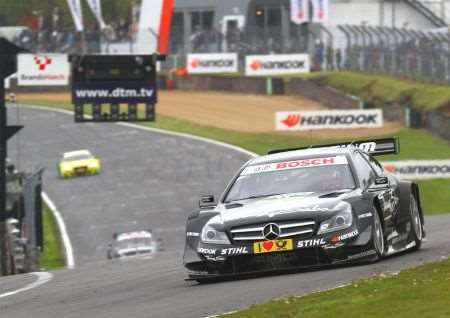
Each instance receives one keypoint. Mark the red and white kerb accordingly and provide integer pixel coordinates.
(295, 164)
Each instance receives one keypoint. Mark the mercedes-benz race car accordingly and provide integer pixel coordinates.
(78, 163)
(137, 243)
(306, 207)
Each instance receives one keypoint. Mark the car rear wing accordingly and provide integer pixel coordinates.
(375, 147)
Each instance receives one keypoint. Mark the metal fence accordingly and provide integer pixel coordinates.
(412, 54)
(22, 233)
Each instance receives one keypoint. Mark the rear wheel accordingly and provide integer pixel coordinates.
(416, 222)
(378, 236)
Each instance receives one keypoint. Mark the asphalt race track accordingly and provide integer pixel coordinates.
(149, 180)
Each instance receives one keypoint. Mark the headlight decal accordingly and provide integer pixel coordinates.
(211, 235)
(340, 221)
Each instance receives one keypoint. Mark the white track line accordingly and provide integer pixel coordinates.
(157, 130)
(70, 260)
(192, 137)
(43, 277)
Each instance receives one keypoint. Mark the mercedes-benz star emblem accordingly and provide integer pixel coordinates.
(271, 231)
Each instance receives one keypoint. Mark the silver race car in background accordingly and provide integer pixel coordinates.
(137, 243)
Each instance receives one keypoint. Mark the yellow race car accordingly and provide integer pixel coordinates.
(78, 163)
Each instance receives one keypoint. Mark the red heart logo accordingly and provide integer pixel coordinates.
(256, 65)
(268, 245)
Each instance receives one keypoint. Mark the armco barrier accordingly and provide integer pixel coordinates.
(438, 123)
(246, 85)
(193, 83)
(325, 95)
(391, 111)
(249, 85)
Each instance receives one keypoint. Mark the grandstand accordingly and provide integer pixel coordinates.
(264, 25)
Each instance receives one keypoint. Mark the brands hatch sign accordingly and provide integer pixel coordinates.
(212, 63)
(42, 69)
(418, 169)
(264, 65)
(329, 119)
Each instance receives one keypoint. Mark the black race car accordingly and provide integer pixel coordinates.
(306, 207)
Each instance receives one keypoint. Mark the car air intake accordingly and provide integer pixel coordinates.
(251, 233)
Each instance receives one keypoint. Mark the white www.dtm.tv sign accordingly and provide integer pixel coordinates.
(212, 63)
(42, 69)
(329, 119)
(280, 64)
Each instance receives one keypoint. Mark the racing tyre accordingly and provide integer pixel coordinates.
(416, 222)
(377, 236)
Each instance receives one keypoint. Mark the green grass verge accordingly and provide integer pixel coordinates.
(414, 144)
(382, 89)
(420, 292)
(52, 257)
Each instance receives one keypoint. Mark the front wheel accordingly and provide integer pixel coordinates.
(416, 222)
(378, 236)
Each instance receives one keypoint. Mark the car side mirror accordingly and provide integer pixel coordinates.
(381, 181)
(206, 202)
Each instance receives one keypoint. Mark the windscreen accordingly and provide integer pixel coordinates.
(134, 243)
(78, 157)
(306, 175)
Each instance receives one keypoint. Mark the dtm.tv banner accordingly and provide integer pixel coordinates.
(329, 119)
(266, 65)
(212, 63)
(114, 93)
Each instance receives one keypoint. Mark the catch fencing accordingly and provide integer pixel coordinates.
(413, 54)
(422, 55)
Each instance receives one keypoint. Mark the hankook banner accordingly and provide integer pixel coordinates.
(264, 65)
(418, 169)
(212, 63)
(329, 119)
(42, 69)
